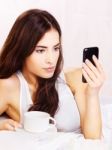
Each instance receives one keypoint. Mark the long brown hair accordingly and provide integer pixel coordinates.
(26, 32)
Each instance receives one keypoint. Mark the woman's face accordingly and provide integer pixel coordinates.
(42, 62)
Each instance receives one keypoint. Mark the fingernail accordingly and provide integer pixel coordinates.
(20, 126)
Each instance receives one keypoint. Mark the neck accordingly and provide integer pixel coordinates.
(31, 80)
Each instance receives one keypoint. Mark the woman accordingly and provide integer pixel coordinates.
(30, 64)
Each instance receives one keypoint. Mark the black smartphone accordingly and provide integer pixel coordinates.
(87, 54)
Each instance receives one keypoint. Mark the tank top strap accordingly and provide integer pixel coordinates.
(25, 97)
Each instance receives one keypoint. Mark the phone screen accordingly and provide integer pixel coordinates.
(87, 54)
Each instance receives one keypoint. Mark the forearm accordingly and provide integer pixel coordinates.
(92, 123)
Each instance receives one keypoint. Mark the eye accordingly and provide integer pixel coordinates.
(57, 48)
(40, 50)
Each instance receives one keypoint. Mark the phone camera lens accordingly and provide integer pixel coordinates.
(86, 49)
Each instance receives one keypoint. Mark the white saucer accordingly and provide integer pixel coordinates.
(51, 128)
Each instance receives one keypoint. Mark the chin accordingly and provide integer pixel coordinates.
(47, 76)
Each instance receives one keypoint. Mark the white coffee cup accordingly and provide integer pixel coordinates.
(37, 121)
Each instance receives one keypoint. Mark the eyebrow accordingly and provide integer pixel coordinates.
(41, 46)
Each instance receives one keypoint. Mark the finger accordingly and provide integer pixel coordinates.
(17, 125)
(88, 79)
(14, 124)
(90, 72)
(99, 67)
(100, 76)
(9, 127)
(91, 82)
(92, 79)
(93, 69)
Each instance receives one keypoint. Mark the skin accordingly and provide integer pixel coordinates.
(87, 96)
(44, 60)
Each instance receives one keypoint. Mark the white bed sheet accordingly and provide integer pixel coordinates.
(106, 110)
(52, 140)
(23, 140)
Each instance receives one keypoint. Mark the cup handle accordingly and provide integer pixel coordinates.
(52, 119)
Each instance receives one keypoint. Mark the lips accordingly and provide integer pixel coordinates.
(50, 69)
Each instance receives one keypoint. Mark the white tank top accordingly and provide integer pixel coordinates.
(67, 115)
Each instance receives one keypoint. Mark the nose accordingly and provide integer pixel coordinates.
(50, 57)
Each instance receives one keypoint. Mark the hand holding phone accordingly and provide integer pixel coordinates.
(88, 54)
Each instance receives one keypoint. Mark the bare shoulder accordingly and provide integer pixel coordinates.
(9, 96)
(73, 73)
(73, 78)
(8, 86)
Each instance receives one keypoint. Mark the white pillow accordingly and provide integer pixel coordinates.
(107, 121)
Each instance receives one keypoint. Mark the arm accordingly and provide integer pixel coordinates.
(87, 97)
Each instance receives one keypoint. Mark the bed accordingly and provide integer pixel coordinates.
(20, 139)
(53, 140)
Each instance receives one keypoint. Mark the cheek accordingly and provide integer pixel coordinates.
(37, 63)
(33, 62)
(57, 57)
